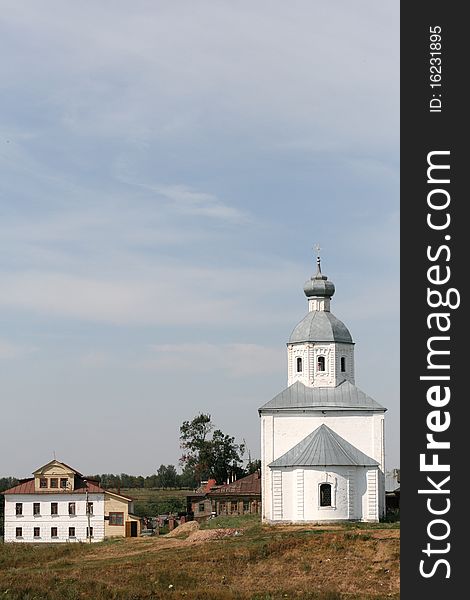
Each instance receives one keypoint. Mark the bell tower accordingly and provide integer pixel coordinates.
(320, 350)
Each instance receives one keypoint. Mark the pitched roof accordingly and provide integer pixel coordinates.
(344, 396)
(246, 486)
(323, 447)
(58, 462)
(27, 487)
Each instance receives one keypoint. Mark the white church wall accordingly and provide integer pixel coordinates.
(280, 433)
(361, 429)
(295, 494)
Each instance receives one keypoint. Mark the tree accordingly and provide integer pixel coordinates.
(193, 439)
(167, 477)
(208, 456)
(253, 466)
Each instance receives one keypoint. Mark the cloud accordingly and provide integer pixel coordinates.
(9, 350)
(191, 202)
(172, 294)
(235, 360)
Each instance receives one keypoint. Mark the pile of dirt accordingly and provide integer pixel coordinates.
(212, 534)
(184, 529)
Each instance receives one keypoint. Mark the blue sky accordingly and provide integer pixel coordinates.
(166, 168)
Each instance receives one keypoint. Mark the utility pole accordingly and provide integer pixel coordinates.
(87, 508)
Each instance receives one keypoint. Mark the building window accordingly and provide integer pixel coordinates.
(321, 363)
(19, 532)
(246, 506)
(116, 518)
(71, 508)
(19, 509)
(36, 508)
(43, 483)
(63, 482)
(36, 532)
(53, 532)
(54, 482)
(234, 507)
(71, 532)
(299, 365)
(325, 494)
(343, 364)
(89, 508)
(89, 532)
(54, 508)
(201, 507)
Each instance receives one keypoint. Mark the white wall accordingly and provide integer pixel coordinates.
(353, 497)
(281, 432)
(45, 520)
(309, 353)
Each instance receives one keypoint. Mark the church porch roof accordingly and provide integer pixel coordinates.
(324, 447)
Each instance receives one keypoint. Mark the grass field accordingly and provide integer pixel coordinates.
(259, 563)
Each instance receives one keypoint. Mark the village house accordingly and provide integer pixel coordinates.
(240, 497)
(58, 504)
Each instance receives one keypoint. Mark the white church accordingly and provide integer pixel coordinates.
(322, 438)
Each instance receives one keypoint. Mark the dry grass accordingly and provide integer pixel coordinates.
(264, 563)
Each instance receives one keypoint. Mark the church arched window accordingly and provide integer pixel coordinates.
(321, 363)
(343, 364)
(299, 365)
(325, 494)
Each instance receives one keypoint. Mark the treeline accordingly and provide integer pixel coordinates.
(165, 477)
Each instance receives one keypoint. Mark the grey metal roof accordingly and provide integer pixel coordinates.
(319, 286)
(345, 396)
(320, 326)
(323, 447)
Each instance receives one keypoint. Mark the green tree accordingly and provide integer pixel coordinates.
(167, 477)
(253, 466)
(208, 453)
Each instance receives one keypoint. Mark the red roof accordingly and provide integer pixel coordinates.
(27, 487)
(249, 485)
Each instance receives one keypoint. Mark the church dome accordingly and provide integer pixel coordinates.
(319, 286)
(320, 326)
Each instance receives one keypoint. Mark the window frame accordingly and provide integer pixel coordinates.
(89, 508)
(38, 534)
(54, 509)
(89, 532)
(64, 481)
(115, 515)
(56, 535)
(19, 509)
(343, 364)
(299, 364)
(321, 364)
(321, 485)
(72, 509)
(36, 509)
(72, 532)
(54, 483)
(43, 484)
(18, 532)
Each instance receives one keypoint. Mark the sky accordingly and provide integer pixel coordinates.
(166, 167)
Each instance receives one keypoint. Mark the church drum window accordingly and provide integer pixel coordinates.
(343, 364)
(299, 365)
(321, 363)
(325, 494)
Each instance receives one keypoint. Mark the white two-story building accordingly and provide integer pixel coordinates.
(59, 505)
